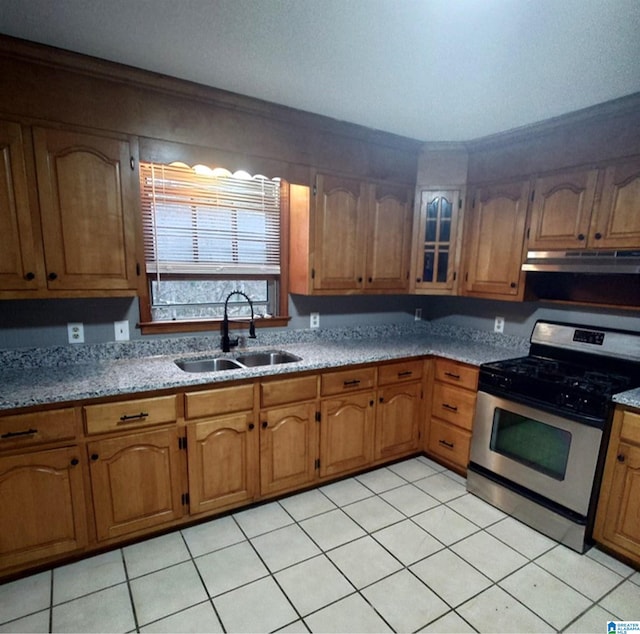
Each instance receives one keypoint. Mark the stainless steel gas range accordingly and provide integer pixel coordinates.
(542, 424)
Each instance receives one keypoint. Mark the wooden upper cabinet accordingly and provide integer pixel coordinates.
(339, 229)
(87, 191)
(494, 241)
(350, 236)
(616, 223)
(388, 242)
(434, 249)
(561, 210)
(20, 263)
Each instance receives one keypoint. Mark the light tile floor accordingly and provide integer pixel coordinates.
(402, 548)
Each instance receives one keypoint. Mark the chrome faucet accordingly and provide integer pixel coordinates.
(225, 342)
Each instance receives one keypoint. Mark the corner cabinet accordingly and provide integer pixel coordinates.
(69, 205)
(617, 524)
(349, 236)
(494, 241)
(435, 242)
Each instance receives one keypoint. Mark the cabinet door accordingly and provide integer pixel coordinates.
(19, 267)
(495, 241)
(222, 462)
(288, 447)
(389, 239)
(397, 420)
(617, 221)
(436, 232)
(617, 522)
(621, 526)
(346, 433)
(135, 481)
(43, 506)
(87, 203)
(561, 211)
(338, 261)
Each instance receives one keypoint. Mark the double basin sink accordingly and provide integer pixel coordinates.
(241, 362)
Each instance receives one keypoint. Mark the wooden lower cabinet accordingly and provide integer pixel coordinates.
(346, 433)
(135, 481)
(288, 447)
(397, 420)
(617, 523)
(222, 462)
(43, 506)
(453, 405)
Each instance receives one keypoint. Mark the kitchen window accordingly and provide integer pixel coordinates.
(207, 233)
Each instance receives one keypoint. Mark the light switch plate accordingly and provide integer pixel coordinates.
(121, 329)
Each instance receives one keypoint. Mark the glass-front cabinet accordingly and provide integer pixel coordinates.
(435, 241)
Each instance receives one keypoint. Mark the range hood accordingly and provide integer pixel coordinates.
(591, 262)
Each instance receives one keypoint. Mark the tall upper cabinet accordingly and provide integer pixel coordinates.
(68, 213)
(435, 241)
(494, 237)
(349, 236)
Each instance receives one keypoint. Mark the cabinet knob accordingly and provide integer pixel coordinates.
(265, 424)
(74, 462)
(371, 403)
(94, 456)
(359, 279)
(581, 236)
(52, 276)
(621, 457)
(382, 399)
(29, 276)
(370, 280)
(418, 279)
(513, 285)
(598, 236)
(251, 426)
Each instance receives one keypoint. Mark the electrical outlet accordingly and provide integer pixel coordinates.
(498, 324)
(417, 315)
(75, 332)
(314, 320)
(121, 329)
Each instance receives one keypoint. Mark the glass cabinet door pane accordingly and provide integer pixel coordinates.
(443, 265)
(431, 228)
(445, 220)
(429, 265)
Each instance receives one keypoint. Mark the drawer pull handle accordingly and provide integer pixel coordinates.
(405, 373)
(13, 434)
(452, 375)
(451, 408)
(450, 445)
(351, 383)
(125, 418)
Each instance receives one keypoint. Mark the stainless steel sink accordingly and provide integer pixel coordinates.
(254, 359)
(247, 360)
(208, 365)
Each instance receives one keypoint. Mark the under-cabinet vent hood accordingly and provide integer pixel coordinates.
(594, 262)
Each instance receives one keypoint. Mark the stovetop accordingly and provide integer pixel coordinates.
(570, 371)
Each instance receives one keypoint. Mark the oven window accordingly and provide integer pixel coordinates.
(537, 445)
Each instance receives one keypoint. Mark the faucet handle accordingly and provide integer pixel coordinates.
(252, 330)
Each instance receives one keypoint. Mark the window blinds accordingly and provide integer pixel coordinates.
(205, 223)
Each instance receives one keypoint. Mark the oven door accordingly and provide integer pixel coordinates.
(552, 456)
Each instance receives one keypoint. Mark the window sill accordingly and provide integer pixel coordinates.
(206, 325)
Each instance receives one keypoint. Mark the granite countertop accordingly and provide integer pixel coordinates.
(25, 381)
(73, 373)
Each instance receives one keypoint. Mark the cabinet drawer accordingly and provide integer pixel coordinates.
(348, 381)
(456, 373)
(397, 372)
(453, 405)
(130, 414)
(219, 401)
(449, 442)
(23, 430)
(288, 391)
(630, 428)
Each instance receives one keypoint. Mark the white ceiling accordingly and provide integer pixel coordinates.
(429, 69)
